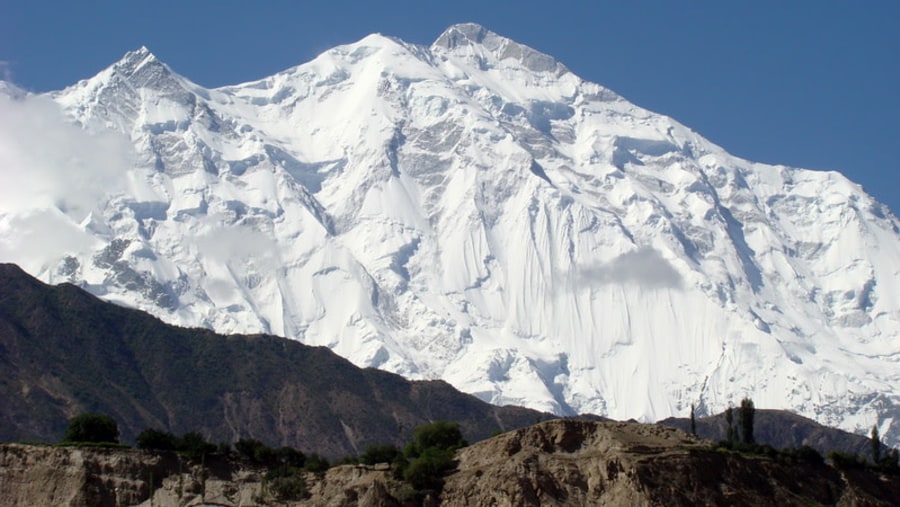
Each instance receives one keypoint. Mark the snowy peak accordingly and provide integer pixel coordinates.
(463, 34)
(133, 60)
(473, 211)
(472, 39)
(142, 69)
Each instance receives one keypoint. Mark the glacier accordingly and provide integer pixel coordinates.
(470, 211)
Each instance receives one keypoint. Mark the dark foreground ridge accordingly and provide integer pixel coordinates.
(554, 463)
(64, 352)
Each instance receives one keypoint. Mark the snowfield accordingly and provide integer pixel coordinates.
(470, 211)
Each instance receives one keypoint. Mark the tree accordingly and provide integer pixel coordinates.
(255, 451)
(429, 456)
(426, 472)
(379, 453)
(316, 464)
(876, 445)
(730, 435)
(748, 412)
(438, 434)
(693, 422)
(193, 445)
(91, 427)
(158, 440)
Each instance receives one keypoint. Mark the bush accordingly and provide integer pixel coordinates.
(157, 440)
(91, 427)
(805, 454)
(429, 456)
(194, 445)
(316, 464)
(441, 435)
(379, 453)
(254, 451)
(290, 457)
(890, 462)
(288, 488)
(846, 460)
(426, 472)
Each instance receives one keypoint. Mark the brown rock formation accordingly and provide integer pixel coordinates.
(555, 463)
(571, 462)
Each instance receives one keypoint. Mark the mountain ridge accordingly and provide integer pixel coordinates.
(451, 212)
(64, 352)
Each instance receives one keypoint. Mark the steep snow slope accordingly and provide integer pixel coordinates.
(473, 211)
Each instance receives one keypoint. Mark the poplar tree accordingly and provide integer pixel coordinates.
(693, 422)
(876, 445)
(748, 412)
(731, 437)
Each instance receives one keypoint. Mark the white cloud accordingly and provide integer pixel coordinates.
(645, 267)
(46, 161)
(37, 239)
(239, 244)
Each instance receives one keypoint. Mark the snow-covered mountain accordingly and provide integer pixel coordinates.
(471, 211)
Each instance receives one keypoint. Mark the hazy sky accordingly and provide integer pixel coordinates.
(813, 84)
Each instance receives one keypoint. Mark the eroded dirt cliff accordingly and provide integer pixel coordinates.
(570, 462)
(555, 463)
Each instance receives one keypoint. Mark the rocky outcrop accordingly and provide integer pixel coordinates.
(67, 476)
(569, 462)
(555, 463)
(46, 476)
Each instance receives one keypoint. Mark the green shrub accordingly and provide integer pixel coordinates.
(288, 488)
(379, 453)
(290, 457)
(429, 456)
(890, 462)
(91, 427)
(316, 464)
(437, 435)
(805, 454)
(426, 472)
(846, 460)
(157, 440)
(194, 445)
(254, 451)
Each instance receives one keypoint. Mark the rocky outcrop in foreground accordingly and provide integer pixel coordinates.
(570, 462)
(555, 463)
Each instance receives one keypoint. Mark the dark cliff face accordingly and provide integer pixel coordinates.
(62, 351)
(555, 463)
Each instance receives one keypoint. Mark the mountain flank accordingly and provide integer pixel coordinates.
(470, 211)
(63, 351)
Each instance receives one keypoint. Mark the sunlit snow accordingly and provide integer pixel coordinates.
(470, 211)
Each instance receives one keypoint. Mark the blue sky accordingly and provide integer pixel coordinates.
(812, 84)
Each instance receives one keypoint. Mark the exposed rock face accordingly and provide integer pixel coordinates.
(556, 463)
(570, 462)
(43, 476)
(59, 476)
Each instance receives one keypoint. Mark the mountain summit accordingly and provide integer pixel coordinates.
(469, 37)
(475, 212)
